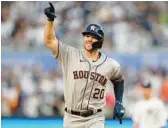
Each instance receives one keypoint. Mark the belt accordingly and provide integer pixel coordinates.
(84, 113)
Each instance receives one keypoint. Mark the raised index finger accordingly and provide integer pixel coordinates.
(51, 5)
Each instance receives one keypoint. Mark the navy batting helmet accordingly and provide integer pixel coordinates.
(97, 31)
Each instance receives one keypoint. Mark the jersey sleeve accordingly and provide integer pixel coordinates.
(116, 74)
(64, 54)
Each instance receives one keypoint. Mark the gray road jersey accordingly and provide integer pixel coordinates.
(85, 81)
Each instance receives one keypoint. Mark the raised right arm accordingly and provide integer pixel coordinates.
(50, 39)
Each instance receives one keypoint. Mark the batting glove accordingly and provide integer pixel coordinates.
(50, 12)
(119, 111)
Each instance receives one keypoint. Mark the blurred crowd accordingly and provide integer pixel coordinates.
(128, 26)
(31, 92)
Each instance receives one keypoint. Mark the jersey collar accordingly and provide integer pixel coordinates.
(101, 60)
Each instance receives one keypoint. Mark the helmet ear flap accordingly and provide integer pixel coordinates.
(98, 44)
(101, 32)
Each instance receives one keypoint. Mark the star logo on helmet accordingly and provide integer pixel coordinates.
(92, 27)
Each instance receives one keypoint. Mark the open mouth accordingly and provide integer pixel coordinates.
(89, 44)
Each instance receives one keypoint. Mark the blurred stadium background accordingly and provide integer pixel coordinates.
(136, 35)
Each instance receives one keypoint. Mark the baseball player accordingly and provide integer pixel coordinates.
(86, 74)
(149, 112)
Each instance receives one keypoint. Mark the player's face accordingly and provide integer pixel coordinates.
(88, 41)
(147, 93)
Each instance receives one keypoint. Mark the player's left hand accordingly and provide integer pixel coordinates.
(119, 111)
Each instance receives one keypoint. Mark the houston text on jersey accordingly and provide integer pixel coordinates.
(93, 76)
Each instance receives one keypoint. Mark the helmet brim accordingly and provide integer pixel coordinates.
(92, 33)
